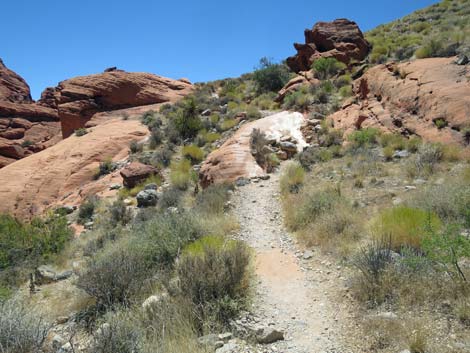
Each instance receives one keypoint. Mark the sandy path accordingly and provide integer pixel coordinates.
(298, 295)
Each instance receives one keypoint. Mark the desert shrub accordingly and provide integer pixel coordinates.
(31, 242)
(394, 141)
(208, 137)
(430, 49)
(363, 138)
(265, 101)
(413, 144)
(27, 143)
(253, 113)
(450, 201)
(213, 274)
(114, 275)
(81, 132)
(152, 119)
(181, 174)
(170, 198)
(119, 213)
(165, 234)
(405, 226)
(156, 138)
(21, 329)
(122, 333)
(466, 135)
(327, 67)
(345, 91)
(440, 123)
(330, 137)
(310, 205)
(299, 100)
(227, 124)
(388, 153)
(292, 178)
(213, 199)
(448, 248)
(259, 144)
(313, 155)
(343, 80)
(86, 210)
(106, 167)
(427, 157)
(135, 147)
(193, 153)
(162, 157)
(186, 119)
(270, 77)
(451, 153)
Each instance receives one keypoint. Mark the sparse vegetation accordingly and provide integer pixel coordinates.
(81, 132)
(270, 77)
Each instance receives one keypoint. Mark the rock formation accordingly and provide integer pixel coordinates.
(411, 98)
(79, 98)
(234, 160)
(25, 127)
(63, 174)
(341, 39)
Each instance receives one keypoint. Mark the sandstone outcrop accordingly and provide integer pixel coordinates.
(25, 127)
(136, 172)
(304, 78)
(63, 174)
(234, 160)
(79, 98)
(429, 98)
(341, 39)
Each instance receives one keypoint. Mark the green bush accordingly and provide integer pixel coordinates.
(31, 242)
(394, 141)
(227, 124)
(427, 157)
(364, 137)
(114, 275)
(21, 329)
(327, 67)
(270, 77)
(135, 147)
(81, 132)
(193, 153)
(156, 138)
(181, 174)
(405, 226)
(186, 118)
(162, 158)
(106, 167)
(170, 198)
(213, 274)
(213, 199)
(87, 209)
(292, 178)
(299, 100)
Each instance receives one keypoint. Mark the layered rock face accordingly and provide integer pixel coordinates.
(63, 174)
(79, 98)
(234, 160)
(410, 98)
(341, 39)
(25, 127)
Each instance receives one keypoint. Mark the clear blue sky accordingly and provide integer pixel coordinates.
(47, 41)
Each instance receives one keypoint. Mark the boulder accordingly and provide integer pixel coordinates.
(78, 99)
(147, 198)
(269, 335)
(407, 98)
(135, 173)
(233, 161)
(13, 88)
(46, 275)
(341, 39)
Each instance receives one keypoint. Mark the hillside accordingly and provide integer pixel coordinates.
(442, 29)
(320, 204)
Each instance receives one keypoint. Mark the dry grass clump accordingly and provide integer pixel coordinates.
(292, 178)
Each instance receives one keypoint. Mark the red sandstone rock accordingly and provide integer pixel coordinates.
(341, 39)
(135, 173)
(79, 98)
(12, 86)
(407, 98)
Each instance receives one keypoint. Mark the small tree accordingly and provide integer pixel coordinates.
(186, 119)
(270, 77)
(325, 68)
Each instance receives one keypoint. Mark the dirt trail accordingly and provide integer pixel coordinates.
(302, 294)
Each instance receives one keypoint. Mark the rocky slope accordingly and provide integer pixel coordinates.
(341, 39)
(64, 172)
(234, 160)
(428, 98)
(79, 98)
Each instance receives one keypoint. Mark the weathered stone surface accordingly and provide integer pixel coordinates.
(147, 198)
(64, 173)
(233, 161)
(341, 39)
(78, 99)
(269, 335)
(135, 173)
(13, 88)
(408, 98)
